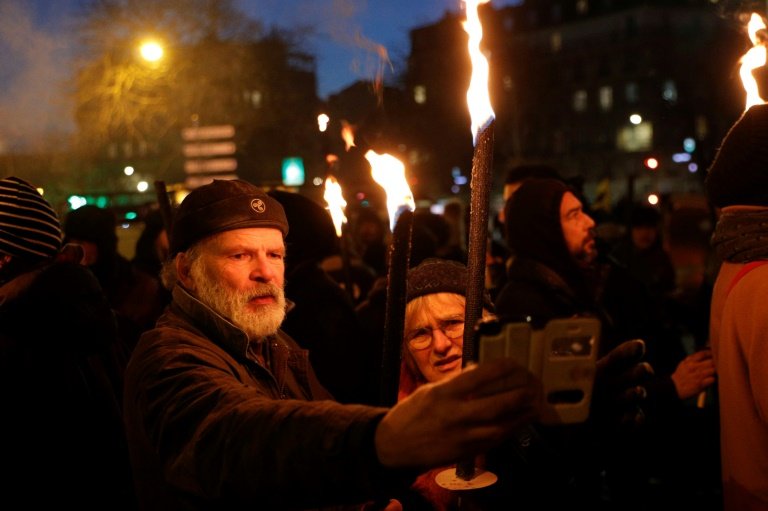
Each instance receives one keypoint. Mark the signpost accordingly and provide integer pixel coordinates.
(210, 154)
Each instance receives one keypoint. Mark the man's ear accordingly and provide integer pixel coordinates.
(182, 270)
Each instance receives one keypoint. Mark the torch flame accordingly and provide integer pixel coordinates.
(347, 134)
(336, 203)
(389, 172)
(753, 59)
(478, 99)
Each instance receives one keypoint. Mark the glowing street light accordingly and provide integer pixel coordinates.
(142, 186)
(151, 51)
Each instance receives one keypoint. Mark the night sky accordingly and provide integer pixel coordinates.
(37, 45)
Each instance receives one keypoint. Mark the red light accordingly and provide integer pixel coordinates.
(652, 163)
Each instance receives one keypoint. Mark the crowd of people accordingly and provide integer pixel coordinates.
(236, 360)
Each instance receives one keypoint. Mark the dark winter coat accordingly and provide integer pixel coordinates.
(62, 443)
(211, 428)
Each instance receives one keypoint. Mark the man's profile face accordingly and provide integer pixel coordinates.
(578, 229)
(240, 274)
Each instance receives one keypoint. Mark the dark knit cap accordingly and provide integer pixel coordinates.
(224, 205)
(29, 227)
(739, 173)
(435, 275)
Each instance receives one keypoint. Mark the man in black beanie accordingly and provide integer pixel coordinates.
(223, 409)
(737, 184)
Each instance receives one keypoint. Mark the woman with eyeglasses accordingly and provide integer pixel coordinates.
(434, 323)
(432, 351)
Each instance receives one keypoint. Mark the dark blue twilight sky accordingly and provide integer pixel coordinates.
(36, 47)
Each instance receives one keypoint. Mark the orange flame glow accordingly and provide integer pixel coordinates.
(389, 172)
(336, 203)
(478, 99)
(347, 134)
(753, 59)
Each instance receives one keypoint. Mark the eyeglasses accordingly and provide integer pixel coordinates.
(421, 339)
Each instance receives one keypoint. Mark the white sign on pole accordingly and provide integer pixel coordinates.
(208, 132)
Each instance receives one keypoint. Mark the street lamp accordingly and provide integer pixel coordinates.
(151, 51)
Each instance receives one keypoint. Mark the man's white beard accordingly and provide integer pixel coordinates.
(256, 322)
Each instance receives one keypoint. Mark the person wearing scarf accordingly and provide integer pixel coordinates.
(737, 184)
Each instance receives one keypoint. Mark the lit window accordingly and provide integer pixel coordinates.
(606, 97)
(632, 138)
(256, 98)
(420, 94)
(556, 42)
(669, 91)
(127, 149)
(580, 100)
(632, 92)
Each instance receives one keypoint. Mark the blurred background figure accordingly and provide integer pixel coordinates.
(135, 296)
(323, 318)
(642, 252)
(453, 212)
(370, 235)
(150, 253)
(152, 246)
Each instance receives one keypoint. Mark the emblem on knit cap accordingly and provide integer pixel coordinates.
(258, 206)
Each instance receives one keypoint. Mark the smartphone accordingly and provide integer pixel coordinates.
(562, 355)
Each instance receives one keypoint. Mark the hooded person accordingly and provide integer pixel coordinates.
(59, 380)
(555, 273)
(552, 240)
(737, 184)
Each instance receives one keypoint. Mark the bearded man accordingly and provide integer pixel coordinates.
(553, 240)
(223, 409)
